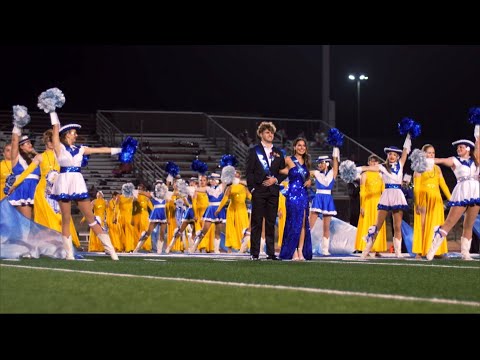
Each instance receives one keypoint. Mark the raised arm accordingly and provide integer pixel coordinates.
(335, 158)
(407, 146)
(476, 133)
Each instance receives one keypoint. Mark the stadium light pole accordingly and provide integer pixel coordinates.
(358, 79)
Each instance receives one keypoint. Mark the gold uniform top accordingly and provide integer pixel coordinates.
(5, 170)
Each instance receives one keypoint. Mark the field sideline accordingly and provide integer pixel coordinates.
(150, 283)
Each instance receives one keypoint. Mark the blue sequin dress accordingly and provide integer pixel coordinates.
(297, 211)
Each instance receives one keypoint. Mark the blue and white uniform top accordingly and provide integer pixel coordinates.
(323, 201)
(467, 190)
(70, 184)
(158, 214)
(24, 193)
(215, 196)
(393, 197)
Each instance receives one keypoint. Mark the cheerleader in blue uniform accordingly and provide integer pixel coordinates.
(323, 201)
(392, 198)
(215, 195)
(22, 156)
(159, 197)
(70, 185)
(465, 199)
(188, 218)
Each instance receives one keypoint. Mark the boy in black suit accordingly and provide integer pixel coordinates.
(263, 178)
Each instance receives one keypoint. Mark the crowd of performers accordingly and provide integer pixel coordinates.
(190, 215)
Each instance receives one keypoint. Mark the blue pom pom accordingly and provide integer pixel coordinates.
(49, 100)
(474, 115)
(335, 137)
(172, 168)
(20, 116)
(129, 148)
(199, 166)
(416, 130)
(408, 125)
(228, 159)
(9, 181)
(405, 125)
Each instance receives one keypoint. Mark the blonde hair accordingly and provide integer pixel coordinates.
(47, 136)
(266, 125)
(426, 146)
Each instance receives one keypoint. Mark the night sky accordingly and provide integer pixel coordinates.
(434, 84)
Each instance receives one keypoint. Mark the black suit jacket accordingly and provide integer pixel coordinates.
(256, 174)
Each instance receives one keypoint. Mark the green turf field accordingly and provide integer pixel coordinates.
(222, 284)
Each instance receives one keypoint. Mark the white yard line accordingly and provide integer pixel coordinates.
(264, 286)
(422, 264)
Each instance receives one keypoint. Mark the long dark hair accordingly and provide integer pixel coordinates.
(306, 156)
(28, 157)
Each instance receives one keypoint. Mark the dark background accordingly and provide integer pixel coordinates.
(434, 84)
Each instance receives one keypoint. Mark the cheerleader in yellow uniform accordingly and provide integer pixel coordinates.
(371, 188)
(141, 217)
(5, 168)
(429, 209)
(200, 201)
(47, 211)
(99, 208)
(237, 215)
(112, 222)
(125, 219)
(282, 212)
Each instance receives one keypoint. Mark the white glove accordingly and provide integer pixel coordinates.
(115, 151)
(17, 131)
(336, 153)
(408, 143)
(54, 118)
(476, 132)
(359, 170)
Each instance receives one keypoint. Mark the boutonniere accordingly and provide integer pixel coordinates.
(274, 154)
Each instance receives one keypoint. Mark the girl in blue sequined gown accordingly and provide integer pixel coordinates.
(297, 242)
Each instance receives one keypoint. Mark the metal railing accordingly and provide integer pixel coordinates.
(145, 167)
(232, 144)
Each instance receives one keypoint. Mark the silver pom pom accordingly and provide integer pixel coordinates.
(228, 174)
(127, 189)
(20, 116)
(182, 187)
(50, 99)
(347, 171)
(160, 190)
(419, 161)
